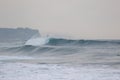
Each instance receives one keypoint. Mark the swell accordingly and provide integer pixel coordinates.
(64, 47)
(65, 50)
(41, 50)
(55, 41)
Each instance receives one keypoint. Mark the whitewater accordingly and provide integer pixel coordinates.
(49, 58)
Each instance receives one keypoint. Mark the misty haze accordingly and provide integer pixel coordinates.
(59, 40)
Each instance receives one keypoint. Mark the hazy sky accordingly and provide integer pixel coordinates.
(98, 19)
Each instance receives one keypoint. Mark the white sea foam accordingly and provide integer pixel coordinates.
(37, 41)
(14, 57)
(22, 71)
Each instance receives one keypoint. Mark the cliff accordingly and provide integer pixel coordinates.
(21, 34)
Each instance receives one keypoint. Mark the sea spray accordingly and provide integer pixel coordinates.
(37, 41)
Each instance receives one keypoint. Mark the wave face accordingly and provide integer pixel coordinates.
(71, 50)
(67, 42)
(53, 41)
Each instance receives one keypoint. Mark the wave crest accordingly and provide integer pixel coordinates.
(37, 41)
(66, 42)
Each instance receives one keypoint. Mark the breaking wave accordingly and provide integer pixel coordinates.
(37, 41)
(60, 46)
(70, 50)
(64, 42)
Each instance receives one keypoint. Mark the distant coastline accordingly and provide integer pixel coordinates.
(20, 34)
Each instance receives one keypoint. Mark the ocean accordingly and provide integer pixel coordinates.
(48, 58)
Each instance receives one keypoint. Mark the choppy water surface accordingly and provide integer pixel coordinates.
(60, 59)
